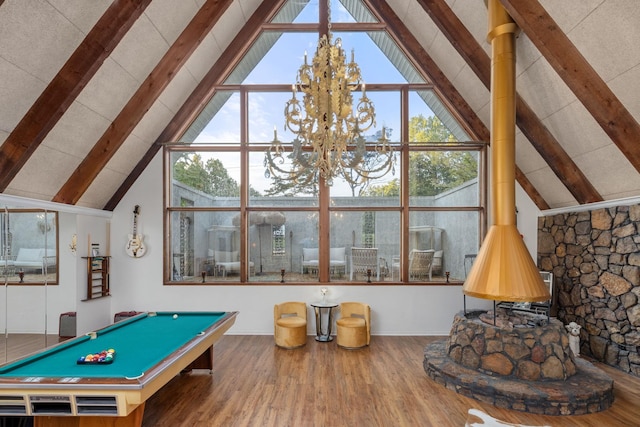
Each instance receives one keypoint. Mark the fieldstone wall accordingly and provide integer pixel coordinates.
(595, 259)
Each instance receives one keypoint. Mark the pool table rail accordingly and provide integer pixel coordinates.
(54, 401)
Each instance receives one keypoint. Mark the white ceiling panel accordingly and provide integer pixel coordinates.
(128, 156)
(526, 53)
(57, 37)
(627, 90)
(446, 57)
(417, 21)
(608, 37)
(527, 157)
(551, 188)
(248, 7)
(576, 128)
(568, 14)
(109, 90)
(543, 90)
(153, 122)
(81, 13)
(45, 172)
(141, 49)
(229, 25)
(76, 131)
(203, 58)
(609, 171)
(102, 188)
(178, 90)
(18, 91)
(170, 18)
(473, 14)
(471, 88)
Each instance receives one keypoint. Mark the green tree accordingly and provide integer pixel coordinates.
(428, 129)
(210, 177)
(431, 172)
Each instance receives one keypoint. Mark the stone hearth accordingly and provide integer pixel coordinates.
(527, 369)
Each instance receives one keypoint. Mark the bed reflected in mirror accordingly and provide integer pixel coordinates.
(29, 246)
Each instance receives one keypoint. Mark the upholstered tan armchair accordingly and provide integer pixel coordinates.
(290, 324)
(354, 325)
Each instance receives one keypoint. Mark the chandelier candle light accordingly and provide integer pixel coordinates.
(328, 131)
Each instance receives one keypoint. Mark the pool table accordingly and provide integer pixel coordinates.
(55, 387)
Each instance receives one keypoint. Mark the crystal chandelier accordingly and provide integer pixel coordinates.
(328, 128)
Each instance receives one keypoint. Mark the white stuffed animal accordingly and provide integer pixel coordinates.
(574, 337)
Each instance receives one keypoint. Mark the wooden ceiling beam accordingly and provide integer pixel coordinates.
(578, 74)
(202, 94)
(445, 88)
(537, 133)
(135, 109)
(63, 89)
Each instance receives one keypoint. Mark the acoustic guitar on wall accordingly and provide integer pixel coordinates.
(135, 247)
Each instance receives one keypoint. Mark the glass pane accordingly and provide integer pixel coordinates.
(276, 190)
(306, 11)
(276, 242)
(204, 244)
(266, 119)
(443, 178)
(431, 121)
(373, 192)
(276, 58)
(379, 231)
(450, 234)
(350, 11)
(387, 108)
(219, 122)
(205, 178)
(29, 241)
(373, 58)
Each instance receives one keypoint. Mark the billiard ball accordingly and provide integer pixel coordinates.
(175, 316)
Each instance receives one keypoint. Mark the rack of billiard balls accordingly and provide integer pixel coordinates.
(103, 357)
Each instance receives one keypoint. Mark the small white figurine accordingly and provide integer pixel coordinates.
(574, 337)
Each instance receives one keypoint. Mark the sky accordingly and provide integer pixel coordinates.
(280, 65)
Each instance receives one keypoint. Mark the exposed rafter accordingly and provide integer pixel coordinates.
(449, 93)
(530, 125)
(81, 66)
(142, 100)
(203, 93)
(578, 75)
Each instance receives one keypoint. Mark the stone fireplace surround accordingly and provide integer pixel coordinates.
(528, 369)
(595, 259)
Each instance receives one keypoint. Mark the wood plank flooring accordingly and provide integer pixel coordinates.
(255, 383)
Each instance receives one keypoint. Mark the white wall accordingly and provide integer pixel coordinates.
(527, 218)
(136, 283)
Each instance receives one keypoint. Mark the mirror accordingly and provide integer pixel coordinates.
(28, 264)
(29, 246)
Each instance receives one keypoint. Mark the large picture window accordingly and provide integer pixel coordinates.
(231, 220)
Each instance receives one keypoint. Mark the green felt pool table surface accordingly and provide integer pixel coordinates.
(140, 343)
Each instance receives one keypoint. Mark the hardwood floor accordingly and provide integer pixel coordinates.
(255, 383)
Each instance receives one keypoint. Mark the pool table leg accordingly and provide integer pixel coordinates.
(134, 419)
(204, 361)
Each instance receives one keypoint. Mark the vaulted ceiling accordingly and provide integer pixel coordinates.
(90, 89)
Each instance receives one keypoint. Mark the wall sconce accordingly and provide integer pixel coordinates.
(74, 243)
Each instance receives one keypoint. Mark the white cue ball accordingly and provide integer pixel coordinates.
(175, 316)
